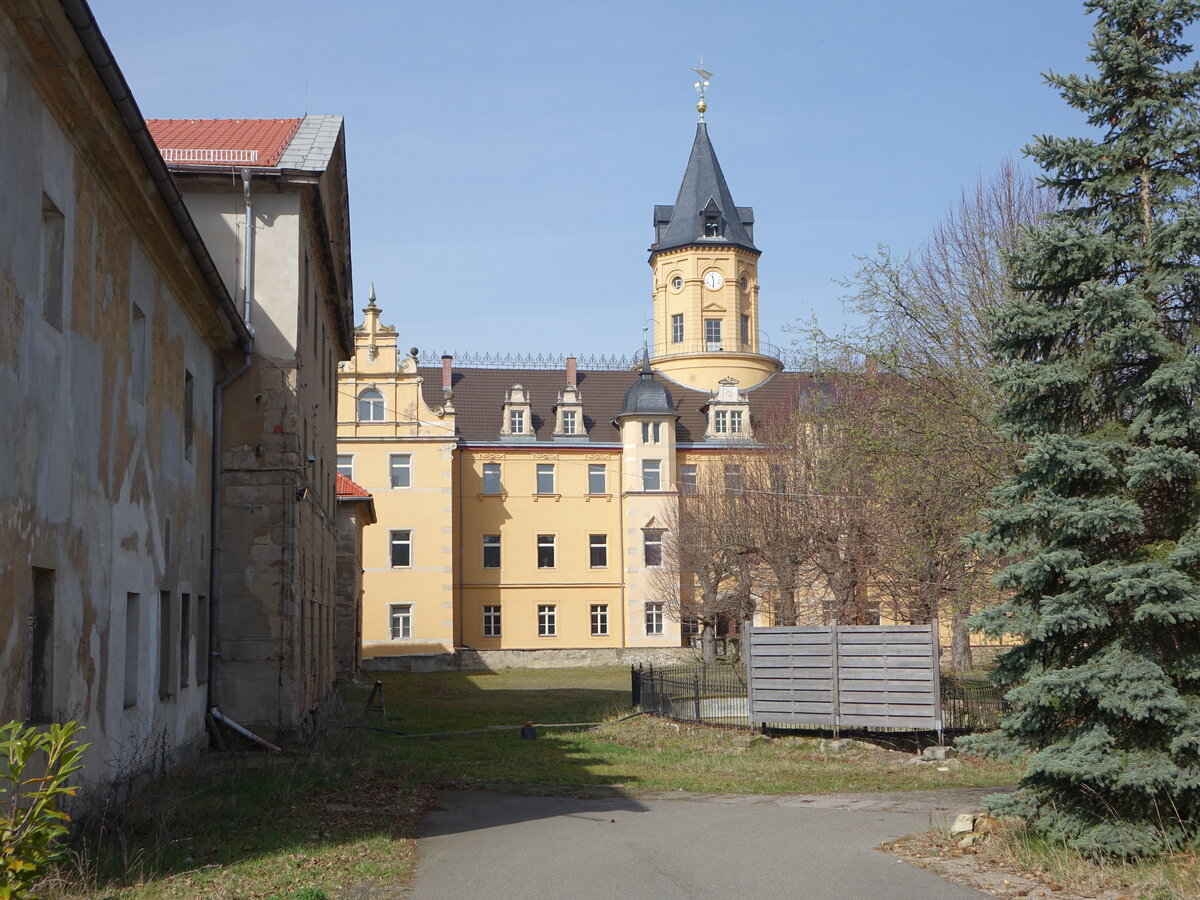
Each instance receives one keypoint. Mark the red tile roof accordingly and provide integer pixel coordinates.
(222, 142)
(351, 489)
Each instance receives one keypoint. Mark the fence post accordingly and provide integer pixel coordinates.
(635, 687)
(696, 690)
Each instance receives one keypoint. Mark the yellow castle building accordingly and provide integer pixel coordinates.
(522, 509)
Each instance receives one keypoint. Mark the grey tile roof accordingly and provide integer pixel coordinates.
(311, 147)
(682, 225)
(479, 401)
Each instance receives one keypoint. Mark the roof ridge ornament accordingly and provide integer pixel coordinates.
(701, 86)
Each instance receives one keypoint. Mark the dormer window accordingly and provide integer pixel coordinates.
(728, 412)
(516, 422)
(569, 421)
(712, 225)
(518, 415)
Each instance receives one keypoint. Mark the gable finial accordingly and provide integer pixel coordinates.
(701, 86)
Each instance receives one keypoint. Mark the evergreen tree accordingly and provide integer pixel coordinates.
(1099, 376)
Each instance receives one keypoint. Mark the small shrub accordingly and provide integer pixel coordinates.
(31, 791)
(310, 893)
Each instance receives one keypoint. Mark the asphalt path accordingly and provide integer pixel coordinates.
(666, 846)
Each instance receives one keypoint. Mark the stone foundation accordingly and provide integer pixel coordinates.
(489, 660)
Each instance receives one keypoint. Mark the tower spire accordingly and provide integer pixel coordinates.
(701, 86)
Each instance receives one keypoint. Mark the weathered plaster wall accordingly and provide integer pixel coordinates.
(101, 486)
(352, 517)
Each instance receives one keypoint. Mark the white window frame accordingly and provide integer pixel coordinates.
(735, 421)
(491, 541)
(401, 615)
(652, 537)
(394, 542)
(400, 464)
(516, 421)
(651, 474)
(492, 469)
(652, 432)
(720, 421)
(547, 620)
(597, 542)
(654, 618)
(370, 399)
(570, 421)
(712, 333)
(677, 328)
(345, 465)
(689, 480)
(547, 541)
(599, 470)
(544, 475)
(599, 620)
(492, 620)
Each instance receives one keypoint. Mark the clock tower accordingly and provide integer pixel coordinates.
(705, 269)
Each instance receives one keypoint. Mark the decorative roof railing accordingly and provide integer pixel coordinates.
(586, 363)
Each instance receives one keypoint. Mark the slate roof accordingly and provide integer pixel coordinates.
(647, 395)
(304, 145)
(479, 401)
(682, 225)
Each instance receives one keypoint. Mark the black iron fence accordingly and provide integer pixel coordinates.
(717, 696)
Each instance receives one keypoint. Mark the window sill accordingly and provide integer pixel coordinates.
(501, 496)
(605, 497)
(554, 497)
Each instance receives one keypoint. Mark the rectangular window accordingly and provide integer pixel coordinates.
(491, 478)
(345, 464)
(570, 422)
(733, 477)
(53, 237)
(712, 333)
(599, 619)
(598, 551)
(547, 620)
(400, 624)
(721, 421)
(41, 647)
(597, 478)
(400, 470)
(654, 618)
(516, 421)
(189, 414)
(401, 549)
(677, 328)
(688, 485)
(651, 432)
(545, 551)
(778, 479)
(735, 421)
(164, 645)
(185, 638)
(651, 474)
(137, 352)
(652, 546)
(690, 627)
(491, 551)
(545, 478)
(201, 639)
(745, 329)
(491, 621)
(133, 632)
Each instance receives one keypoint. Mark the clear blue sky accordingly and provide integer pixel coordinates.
(505, 157)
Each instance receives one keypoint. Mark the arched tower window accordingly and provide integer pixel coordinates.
(370, 406)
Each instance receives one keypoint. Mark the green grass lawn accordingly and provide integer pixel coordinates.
(342, 816)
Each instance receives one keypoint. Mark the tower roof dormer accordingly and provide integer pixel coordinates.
(704, 211)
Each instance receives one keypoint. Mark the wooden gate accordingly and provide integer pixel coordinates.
(864, 676)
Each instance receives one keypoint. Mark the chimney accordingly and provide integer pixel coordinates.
(447, 359)
(570, 371)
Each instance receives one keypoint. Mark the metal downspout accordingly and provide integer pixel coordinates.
(248, 252)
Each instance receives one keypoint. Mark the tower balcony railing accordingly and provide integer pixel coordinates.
(761, 346)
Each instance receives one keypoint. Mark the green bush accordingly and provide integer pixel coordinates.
(34, 767)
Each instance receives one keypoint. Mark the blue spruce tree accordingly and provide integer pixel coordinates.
(1099, 374)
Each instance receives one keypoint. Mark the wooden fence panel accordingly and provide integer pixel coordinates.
(868, 676)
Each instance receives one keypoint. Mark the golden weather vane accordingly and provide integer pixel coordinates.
(701, 86)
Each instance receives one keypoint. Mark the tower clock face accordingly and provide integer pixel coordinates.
(713, 281)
